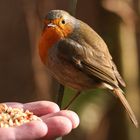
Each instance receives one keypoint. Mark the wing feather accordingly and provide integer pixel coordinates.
(85, 59)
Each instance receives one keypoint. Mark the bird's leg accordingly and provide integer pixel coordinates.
(77, 94)
(60, 95)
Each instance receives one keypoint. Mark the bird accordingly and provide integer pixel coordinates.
(77, 57)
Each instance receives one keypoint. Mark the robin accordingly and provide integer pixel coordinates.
(77, 57)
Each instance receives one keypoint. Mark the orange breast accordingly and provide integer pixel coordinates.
(48, 38)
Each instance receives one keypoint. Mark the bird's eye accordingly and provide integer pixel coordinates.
(63, 21)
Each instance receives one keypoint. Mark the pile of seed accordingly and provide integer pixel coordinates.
(10, 117)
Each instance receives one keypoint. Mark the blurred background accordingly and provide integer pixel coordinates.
(23, 77)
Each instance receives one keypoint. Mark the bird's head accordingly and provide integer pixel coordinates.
(60, 21)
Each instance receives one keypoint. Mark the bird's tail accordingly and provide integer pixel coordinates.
(119, 93)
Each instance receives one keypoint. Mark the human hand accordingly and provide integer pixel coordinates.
(55, 122)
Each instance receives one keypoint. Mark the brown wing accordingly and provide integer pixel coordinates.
(87, 60)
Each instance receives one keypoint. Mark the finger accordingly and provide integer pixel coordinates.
(7, 133)
(31, 130)
(28, 131)
(40, 108)
(58, 126)
(14, 104)
(72, 116)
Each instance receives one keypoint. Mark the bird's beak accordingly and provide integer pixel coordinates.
(51, 25)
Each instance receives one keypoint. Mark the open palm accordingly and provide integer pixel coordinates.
(55, 122)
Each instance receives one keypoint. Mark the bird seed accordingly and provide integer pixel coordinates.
(11, 117)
